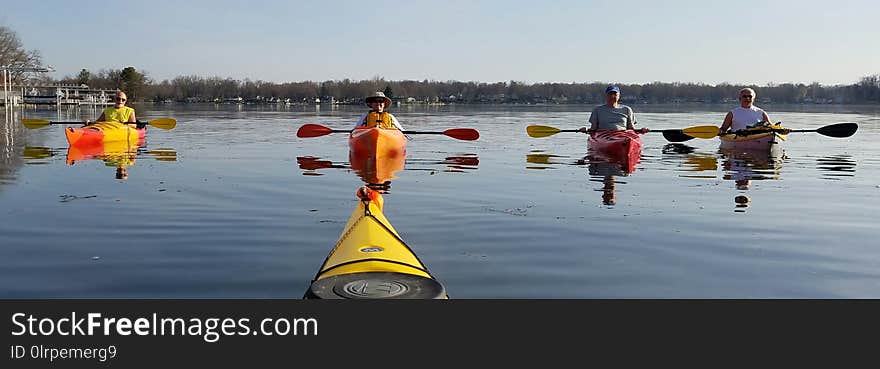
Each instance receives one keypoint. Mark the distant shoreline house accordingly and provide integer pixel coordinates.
(60, 94)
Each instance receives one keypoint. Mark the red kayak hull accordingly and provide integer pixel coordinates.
(623, 147)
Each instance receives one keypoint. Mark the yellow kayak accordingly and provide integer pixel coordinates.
(103, 132)
(371, 261)
(754, 138)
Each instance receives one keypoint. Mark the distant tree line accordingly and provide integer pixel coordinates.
(202, 89)
(140, 87)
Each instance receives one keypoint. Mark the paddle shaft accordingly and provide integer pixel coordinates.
(404, 132)
(75, 122)
(422, 133)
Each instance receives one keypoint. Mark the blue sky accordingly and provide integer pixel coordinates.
(488, 41)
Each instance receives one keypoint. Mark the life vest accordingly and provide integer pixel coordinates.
(120, 115)
(376, 119)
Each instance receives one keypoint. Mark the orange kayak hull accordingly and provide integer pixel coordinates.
(104, 132)
(377, 142)
(376, 153)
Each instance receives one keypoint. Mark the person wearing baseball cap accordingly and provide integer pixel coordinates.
(612, 115)
(377, 116)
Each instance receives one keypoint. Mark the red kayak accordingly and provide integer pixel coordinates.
(624, 147)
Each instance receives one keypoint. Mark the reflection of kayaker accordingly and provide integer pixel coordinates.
(608, 170)
(609, 197)
(119, 154)
(371, 260)
(744, 165)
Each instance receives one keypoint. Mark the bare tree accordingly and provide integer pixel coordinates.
(13, 54)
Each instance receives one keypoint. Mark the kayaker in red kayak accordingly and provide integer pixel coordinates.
(612, 115)
(746, 115)
(377, 116)
(119, 112)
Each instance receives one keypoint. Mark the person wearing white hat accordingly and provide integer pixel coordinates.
(377, 116)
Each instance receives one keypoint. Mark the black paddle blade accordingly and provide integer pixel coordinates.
(839, 130)
(676, 135)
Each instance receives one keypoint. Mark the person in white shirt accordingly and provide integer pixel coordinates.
(746, 115)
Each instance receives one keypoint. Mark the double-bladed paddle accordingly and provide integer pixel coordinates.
(317, 130)
(673, 135)
(838, 130)
(163, 123)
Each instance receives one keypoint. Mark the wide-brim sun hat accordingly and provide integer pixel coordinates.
(377, 95)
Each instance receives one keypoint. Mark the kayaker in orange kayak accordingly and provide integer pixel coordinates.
(119, 112)
(746, 115)
(612, 115)
(377, 116)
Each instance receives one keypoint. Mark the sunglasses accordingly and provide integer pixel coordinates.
(749, 96)
(118, 99)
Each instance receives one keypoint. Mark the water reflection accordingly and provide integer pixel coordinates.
(544, 161)
(836, 166)
(745, 166)
(163, 154)
(601, 167)
(119, 155)
(378, 173)
(605, 169)
(693, 161)
(742, 166)
(12, 139)
(311, 164)
(461, 163)
(37, 154)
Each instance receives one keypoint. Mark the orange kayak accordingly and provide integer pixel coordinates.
(103, 132)
(375, 154)
(112, 152)
(377, 142)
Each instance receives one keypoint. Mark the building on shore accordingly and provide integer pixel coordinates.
(67, 95)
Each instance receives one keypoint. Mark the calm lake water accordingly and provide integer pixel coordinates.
(231, 204)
